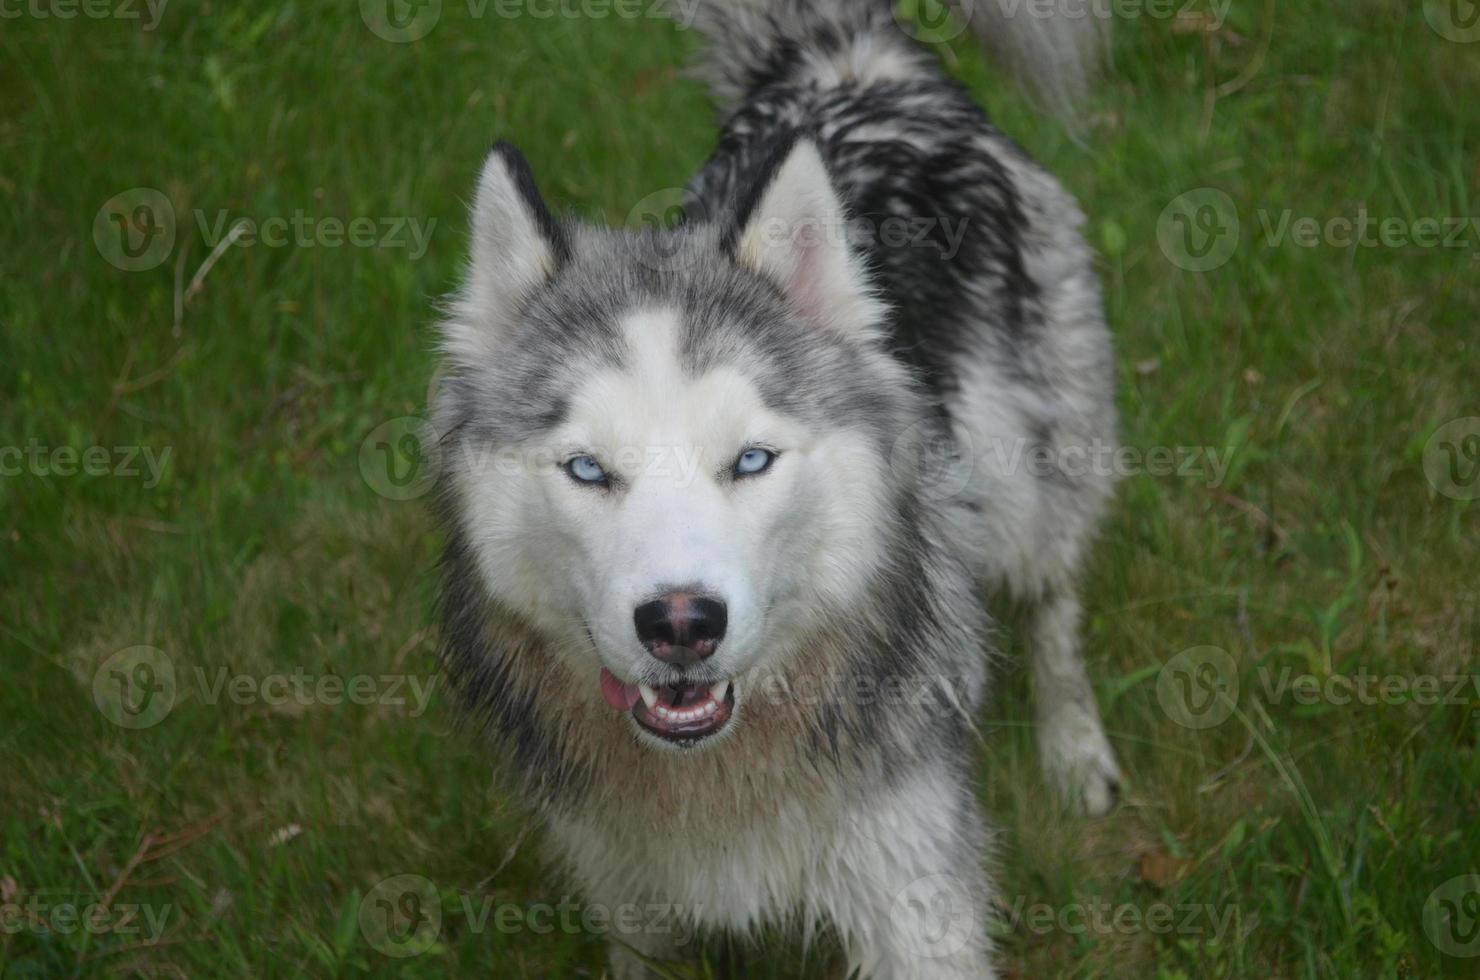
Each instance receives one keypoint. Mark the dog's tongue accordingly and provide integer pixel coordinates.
(618, 695)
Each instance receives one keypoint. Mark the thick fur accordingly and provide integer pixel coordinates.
(907, 384)
(1054, 49)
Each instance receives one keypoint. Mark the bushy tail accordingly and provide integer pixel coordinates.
(1054, 48)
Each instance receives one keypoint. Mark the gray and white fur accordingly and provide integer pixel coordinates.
(834, 406)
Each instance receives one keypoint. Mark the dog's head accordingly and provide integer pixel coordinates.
(674, 452)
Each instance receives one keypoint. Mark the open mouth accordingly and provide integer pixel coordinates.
(676, 712)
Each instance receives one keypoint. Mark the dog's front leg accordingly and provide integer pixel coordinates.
(906, 888)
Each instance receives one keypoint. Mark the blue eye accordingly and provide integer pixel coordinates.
(754, 461)
(585, 469)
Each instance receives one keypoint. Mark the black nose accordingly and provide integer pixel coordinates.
(680, 628)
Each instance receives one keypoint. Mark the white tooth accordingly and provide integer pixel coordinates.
(718, 691)
(649, 696)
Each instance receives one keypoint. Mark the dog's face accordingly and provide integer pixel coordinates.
(676, 469)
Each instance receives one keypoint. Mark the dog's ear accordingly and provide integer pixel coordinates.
(517, 246)
(793, 229)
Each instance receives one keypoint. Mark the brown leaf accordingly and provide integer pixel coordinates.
(1161, 869)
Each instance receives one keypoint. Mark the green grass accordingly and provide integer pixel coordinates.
(1313, 835)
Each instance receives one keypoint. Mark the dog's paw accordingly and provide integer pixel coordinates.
(1078, 762)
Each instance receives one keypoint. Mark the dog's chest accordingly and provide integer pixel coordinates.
(727, 871)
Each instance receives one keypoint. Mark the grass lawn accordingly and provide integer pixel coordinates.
(1313, 553)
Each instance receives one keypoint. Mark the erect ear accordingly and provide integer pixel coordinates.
(794, 231)
(517, 245)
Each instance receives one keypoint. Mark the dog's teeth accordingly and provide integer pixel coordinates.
(649, 696)
(718, 691)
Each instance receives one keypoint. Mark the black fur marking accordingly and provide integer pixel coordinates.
(529, 191)
(764, 176)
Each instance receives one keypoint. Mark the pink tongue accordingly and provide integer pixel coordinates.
(618, 695)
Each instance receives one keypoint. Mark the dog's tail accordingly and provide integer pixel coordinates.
(1054, 49)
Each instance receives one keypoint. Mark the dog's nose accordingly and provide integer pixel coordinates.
(680, 628)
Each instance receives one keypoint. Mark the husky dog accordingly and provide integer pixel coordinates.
(722, 499)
